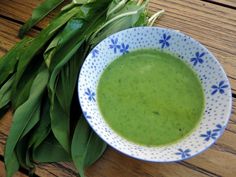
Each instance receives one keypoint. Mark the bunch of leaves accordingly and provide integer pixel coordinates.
(38, 80)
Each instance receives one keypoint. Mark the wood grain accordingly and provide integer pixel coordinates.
(110, 165)
(3, 172)
(8, 35)
(21, 10)
(212, 25)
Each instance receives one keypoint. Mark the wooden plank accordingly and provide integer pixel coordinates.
(219, 162)
(8, 35)
(227, 3)
(3, 172)
(22, 10)
(212, 25)
(116, 164)
(56, 169)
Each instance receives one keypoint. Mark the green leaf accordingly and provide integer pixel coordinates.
(95, 149)
(76, 31)
(115, 6)
(28, 143)
(62, 98)
(72, 27)
(83, 1)
(24, 113)
(38, 14)
(34, 119)
(60, 104)
(5, 93)
(50, 151)
(39, 42)
(22, 153)
(13, 165)
(60, 113)
(43, 128)
(9, 61)
(22, 91)
(130, 15)
(86, 146)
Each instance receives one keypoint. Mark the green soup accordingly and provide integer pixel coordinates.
(150, 97)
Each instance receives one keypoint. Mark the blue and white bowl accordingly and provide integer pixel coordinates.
(213, 79)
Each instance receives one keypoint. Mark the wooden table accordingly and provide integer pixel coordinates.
(213, 23)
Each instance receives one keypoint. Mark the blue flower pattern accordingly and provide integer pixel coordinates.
(198, 58)
(90, 94)
(164, 41)
(219, 88)
(209, 135)
(114, 44)
(86, 115)
(124, 48)
(212, 134)
(218, 128)
(95, 52)
(184, 153)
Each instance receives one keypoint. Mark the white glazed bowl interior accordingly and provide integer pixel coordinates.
(213, 79)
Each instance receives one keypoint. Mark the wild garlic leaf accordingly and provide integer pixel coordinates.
(38, 14)
(9, 61)
(33, 139)
(83, 1)
(115, 6)
(20, 92)
(33, 121)
(59, 110)
(43, 127)
(5, 92)
(86, 146)
(13, 165)
(50, 150)
(39, 42)
(22, 153)
(24, 113)
(130, 15)
(60, 113)
(95, 149)
(79, 145)
(72, 27)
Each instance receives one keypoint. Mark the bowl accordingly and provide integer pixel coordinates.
(213, 79)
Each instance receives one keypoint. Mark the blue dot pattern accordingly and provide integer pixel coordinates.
(213, 79)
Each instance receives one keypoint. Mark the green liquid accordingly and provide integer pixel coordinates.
(150, 97)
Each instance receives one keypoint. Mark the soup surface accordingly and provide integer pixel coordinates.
(150, 97)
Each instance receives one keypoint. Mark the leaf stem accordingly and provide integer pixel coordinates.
(139, 2)
(155, 16)
(115, 18)
(120, 4)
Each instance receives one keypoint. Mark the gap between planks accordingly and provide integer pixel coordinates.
(231, 4)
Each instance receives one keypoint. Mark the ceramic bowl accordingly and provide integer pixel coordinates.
(213, 79)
